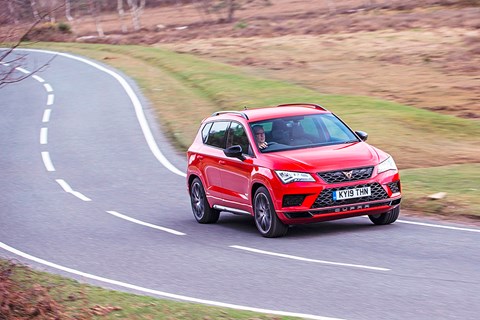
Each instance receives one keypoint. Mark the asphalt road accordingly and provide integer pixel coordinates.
(90, 189)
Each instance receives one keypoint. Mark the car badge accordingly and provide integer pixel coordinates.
(348, 174)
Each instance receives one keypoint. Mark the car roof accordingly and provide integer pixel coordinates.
(283, 110)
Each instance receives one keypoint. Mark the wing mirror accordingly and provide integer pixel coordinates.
(362, 135)
(234, 152)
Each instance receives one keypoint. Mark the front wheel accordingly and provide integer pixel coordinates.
(266, 218)
(200, 207)
(385, 218)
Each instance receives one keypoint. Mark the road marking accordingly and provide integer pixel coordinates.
(309, 260)
(136, 104)
(48, 87)
(50, 99)
(119, 215)
(22, 70)
(46, 115)
(38, 78)
(439, 226)
(47, 162)
(68, 189)
(157, 292)
(44, 136)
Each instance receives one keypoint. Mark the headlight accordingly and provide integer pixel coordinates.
(386, 165)
(289, 176)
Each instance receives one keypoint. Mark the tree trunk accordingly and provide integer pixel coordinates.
(95, 13)
(68, 7)
(33, 4)
(136, 10)
(121, 15)
(11, 10)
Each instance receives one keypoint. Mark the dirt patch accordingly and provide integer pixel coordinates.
(420, 53)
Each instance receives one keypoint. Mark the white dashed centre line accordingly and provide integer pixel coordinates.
(44, 136)
(281, 255)
(38, 78)
(48, 87)
(46, 115)
(68, 189)
(50, 99)
(178, 233)
(22, 70)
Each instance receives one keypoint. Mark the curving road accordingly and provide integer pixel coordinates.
(90, 189)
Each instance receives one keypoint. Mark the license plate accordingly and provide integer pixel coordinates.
(351, 193)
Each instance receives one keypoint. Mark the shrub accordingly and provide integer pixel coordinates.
(64, 27)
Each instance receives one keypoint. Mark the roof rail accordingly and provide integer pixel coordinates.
(239, 113)
(316, 106)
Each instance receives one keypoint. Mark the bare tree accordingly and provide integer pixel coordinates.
(10, 63)
(95, 12)
(121, 15)
(33, 4)
(136, 10)
(68, 8)
(231, 6)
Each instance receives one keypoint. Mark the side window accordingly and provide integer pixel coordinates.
(237, 136)
(205, 131)
(216, 134)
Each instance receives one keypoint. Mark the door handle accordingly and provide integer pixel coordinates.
(222, 162)
(199, 157)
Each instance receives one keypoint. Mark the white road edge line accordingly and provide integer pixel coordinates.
(46, 115)
(160, 293)
(43, 135)
(66, 187)
(119, 215)
(308, 260)
(47, 162)
(136, 104)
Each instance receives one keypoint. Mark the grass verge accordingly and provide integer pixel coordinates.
(29, 294)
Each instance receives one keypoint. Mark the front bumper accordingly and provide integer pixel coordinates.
(314, 203)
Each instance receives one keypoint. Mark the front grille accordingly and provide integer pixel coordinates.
(394, 186)
(343, 175)
(325, 199)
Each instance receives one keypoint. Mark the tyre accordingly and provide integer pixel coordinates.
(266, 218)
(200, 207)
(385, 218)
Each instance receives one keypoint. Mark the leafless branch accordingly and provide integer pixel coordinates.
(7, 76)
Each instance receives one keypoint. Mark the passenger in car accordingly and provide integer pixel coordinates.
(260, 136)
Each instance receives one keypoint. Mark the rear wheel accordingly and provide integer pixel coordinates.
(385, 218)
(200, 207)
(266, 218)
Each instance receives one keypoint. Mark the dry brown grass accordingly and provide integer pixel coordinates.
(420, 53)
(25, 302)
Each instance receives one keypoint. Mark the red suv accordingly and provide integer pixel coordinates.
(289, 164)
